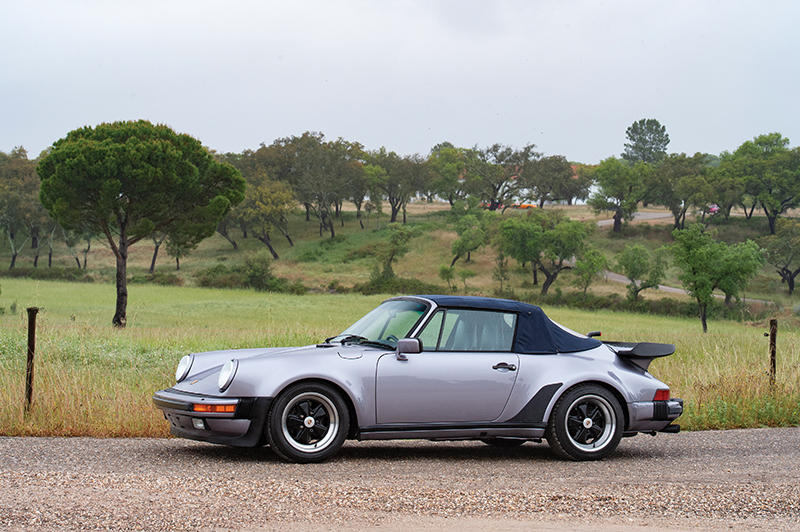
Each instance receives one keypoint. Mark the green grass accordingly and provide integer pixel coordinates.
(94, 380)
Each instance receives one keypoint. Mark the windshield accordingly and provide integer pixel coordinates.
(387, 323)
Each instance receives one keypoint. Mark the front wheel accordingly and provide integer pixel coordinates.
(308, 423)
(586, 423)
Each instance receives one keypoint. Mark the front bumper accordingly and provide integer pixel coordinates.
(244, 427)
(648, 416)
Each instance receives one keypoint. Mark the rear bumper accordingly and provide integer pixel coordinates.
(242, 428)
(647, 416)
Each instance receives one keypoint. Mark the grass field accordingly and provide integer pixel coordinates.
(94, 380)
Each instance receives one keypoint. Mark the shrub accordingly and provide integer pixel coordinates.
(221, 276)
(164, 279)
(390, 284)
(663, 307)
(256, 272)
(50, 274)
(337, 288)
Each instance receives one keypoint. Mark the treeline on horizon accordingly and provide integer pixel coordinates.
(762, 174)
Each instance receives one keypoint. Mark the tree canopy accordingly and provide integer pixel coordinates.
(643, 269)
(620, 188)
(771, 172)
(647, 141)
(783, 250)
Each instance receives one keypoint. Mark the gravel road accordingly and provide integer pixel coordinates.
(709, 480)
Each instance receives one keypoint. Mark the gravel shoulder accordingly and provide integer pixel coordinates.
(699, 480)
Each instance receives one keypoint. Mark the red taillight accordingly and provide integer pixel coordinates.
(661, 395)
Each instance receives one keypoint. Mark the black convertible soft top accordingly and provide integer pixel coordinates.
(536, 333)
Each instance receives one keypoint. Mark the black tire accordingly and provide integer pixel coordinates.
(507, 443)
(593, 437)
(308, 422)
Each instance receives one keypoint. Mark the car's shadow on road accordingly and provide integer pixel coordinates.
(400, 451)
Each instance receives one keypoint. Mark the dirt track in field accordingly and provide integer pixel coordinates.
(715, 479)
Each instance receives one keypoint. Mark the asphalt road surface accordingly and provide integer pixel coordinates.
(711, 480)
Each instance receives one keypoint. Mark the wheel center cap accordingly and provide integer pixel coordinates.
(587, 423)
(309, 422)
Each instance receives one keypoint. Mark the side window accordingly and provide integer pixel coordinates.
(430, 334)
(476, 330)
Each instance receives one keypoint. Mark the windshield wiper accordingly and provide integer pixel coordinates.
(353, 338)
(379, 343)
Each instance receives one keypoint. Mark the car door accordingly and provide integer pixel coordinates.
(464, 374)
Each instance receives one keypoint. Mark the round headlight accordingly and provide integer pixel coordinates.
(226, 374)
(183, 368)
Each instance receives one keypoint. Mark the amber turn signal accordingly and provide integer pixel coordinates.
(202, 407)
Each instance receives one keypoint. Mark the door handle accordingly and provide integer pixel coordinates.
(505, 365)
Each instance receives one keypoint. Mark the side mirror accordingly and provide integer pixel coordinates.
(407, 346)
(594, 334)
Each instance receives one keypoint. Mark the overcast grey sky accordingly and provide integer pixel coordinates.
(569, 76)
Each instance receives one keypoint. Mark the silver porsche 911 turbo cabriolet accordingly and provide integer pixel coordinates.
(434, 367)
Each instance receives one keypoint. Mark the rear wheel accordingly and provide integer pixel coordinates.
(503, 442)
(308, 423)
(586, 423)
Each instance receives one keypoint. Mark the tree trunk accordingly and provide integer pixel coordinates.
(617, 222)
(469, 256)
(243, 227)
(308, 210)
(50, 258)
(703, 318)
(120, 316)
(36, 259)
(177, 263)
(78, 262)
(288, 238)
(549, 280)
(790, 284)
(404, 213)
(771, 218)
(86, 252)
(267, 242)
(13, 260)
(453, 262)
(728, 300)
(228, 238)
(535, 275)
(330, 227)
(395, 211)
(153, 261)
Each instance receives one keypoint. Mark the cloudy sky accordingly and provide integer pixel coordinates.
(569, 76)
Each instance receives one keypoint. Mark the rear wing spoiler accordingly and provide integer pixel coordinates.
(640, 353)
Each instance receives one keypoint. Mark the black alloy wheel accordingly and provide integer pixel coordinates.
(586, 423)
(308, 423)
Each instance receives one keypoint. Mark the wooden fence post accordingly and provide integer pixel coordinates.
(773, 335)
(31, 349)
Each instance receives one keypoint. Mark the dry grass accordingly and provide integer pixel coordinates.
(93, 380)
